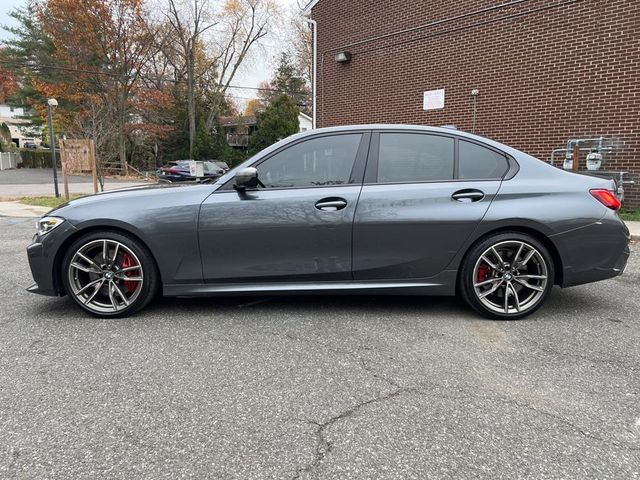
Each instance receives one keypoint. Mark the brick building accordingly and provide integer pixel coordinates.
(545, 71)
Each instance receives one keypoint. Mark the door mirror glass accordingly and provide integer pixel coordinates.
(246, 178)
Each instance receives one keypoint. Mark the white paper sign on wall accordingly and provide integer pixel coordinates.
(434, 100)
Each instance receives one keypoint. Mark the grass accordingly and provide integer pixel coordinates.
(50, 202)
(630, 215)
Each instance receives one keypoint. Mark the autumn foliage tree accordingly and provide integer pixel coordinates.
(254, 106)
(106, 43)
(8, 83)
(133, 78)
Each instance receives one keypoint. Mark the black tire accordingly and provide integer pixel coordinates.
(147, 273)
(469, 281)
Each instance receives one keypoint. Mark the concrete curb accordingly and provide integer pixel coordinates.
(634, 228)
(16, 209)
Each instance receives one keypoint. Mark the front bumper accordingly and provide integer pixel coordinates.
(43, 256)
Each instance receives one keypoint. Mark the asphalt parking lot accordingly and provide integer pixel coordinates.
(303, 387)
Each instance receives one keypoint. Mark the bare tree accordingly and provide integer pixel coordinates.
(189, 24)
(94, 121)
(300, 37)
(243, 24)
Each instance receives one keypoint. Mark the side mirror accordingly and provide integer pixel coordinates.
(246, 178)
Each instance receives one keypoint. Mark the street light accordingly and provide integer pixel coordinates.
(51, 104)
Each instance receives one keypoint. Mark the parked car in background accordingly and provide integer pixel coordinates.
(179, 171)
(220, 164)
(31, 145)
(377, 209)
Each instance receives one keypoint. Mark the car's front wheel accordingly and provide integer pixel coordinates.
(109, 274)
(507, 276)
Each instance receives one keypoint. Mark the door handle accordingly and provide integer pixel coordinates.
(331, 204)
(468, 195)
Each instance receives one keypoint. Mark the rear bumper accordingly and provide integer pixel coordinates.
(596, 252)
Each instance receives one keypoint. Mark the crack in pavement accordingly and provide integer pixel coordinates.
(574, 426)
(323, 446)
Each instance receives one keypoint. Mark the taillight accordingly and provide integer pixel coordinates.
(607, 198)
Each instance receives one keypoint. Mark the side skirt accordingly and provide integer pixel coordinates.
(443, 284)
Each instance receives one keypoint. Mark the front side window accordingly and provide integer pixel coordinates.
(317, 162)
(478, 162)
(412, 157)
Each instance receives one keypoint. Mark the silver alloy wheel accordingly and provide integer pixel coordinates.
(510, 277)
(105, 276)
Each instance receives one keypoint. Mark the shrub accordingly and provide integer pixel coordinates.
(37, 158)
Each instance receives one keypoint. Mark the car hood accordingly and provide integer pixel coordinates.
(138, 194)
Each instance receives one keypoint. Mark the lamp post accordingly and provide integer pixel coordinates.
(51, 104)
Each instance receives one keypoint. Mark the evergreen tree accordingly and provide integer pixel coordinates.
(288, 80)
(279, 120)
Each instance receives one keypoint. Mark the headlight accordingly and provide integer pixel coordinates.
(46, 224)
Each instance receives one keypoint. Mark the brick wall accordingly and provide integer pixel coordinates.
(547, 70)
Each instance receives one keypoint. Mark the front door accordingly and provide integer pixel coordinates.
(297, 226)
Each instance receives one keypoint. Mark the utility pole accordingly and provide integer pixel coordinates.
(51, 104)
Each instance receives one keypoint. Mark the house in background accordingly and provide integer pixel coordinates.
(532, 74)
(20, 126)
(306, 122)
(238, 129)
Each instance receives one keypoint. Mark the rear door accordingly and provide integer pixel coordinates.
(423, 196)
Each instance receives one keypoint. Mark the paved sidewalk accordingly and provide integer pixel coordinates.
(15, 209)
(634, 228)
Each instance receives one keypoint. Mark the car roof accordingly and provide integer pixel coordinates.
(448, 130)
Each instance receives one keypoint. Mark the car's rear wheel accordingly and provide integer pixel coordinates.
(507, 276)
(109, 274)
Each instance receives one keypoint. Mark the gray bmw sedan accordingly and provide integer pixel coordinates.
(375, 209)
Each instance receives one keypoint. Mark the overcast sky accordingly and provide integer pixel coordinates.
(253, 73)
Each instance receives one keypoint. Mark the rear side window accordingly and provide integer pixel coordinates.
(410, 157)
(477, 162)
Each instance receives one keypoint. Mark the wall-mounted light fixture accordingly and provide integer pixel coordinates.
(343, 57)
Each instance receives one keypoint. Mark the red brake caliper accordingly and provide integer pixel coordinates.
(128, 261)
(484, 272)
